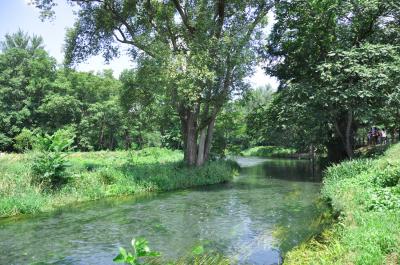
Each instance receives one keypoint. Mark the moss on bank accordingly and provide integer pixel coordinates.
(95, 175)
(270, 151)
(365, 194)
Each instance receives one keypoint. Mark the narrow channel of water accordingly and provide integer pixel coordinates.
(268, 209)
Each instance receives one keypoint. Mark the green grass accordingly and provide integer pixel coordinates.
(96, 175)
(270, 151)
(365, 195)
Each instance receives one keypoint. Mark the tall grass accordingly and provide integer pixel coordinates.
(96, 175)
(270, 151)
(365, 194)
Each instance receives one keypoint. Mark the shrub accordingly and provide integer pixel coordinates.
(388, 177)
(24, 140)
(48, 169)
(60, 141)
(49, 161)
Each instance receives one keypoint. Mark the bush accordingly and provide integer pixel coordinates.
(24, 140)
(48, 169)
(49, 161)
(388, 177)
(60, 141)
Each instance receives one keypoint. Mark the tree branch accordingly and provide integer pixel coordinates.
(220, 14)
(117, 16)
(183, 16)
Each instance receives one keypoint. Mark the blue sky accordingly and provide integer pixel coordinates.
(15, 14)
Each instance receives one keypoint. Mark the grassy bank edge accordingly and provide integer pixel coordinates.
(364, 195)
(273, 152)
(104, 174)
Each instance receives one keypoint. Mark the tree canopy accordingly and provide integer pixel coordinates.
(196, 53)
(336, 61)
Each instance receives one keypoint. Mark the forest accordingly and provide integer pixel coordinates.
(183, 139)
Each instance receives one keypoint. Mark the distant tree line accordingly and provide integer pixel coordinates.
(37, 97)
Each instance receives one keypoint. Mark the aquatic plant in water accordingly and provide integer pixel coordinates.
(141, 250)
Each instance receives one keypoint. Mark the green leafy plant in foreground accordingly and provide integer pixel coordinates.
(141, 250)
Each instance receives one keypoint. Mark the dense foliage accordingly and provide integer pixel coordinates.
(49, 163)
(37, 98)
(338, 64)
(101, 112)
(195, 54)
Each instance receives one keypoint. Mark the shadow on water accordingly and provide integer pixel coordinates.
(286, 169)
(265, 211)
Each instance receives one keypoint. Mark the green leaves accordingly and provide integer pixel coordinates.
(141, 247)
(125, 257)
(26, 73)
(342, 55)
(49, 161)
(140, 250)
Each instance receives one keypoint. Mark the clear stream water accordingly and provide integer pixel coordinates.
(268, 209)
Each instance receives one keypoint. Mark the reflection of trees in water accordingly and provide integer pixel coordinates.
(291, 205)
(288, 169)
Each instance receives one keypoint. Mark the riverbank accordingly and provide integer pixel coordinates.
(365, 195)
(273, 152)
(95, 175)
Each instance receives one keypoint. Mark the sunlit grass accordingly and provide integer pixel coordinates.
(95, 175)
(365, 194)
(270, 151)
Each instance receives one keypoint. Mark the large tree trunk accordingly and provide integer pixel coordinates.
(336, 150)
(344, 127)
(196, 141)
(190, 139)
(210, 133)
(201, 148)
(205, 140)
(349, 134)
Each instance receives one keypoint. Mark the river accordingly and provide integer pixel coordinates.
(265, 211)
